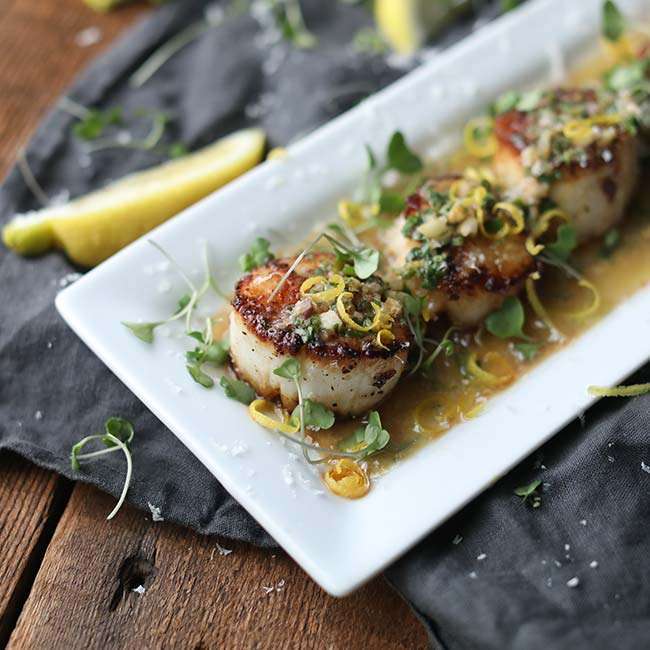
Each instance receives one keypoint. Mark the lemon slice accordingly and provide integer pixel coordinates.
(93, 227)
(406, 24)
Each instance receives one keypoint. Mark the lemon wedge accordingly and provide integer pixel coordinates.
(93, 227)
(406, 24)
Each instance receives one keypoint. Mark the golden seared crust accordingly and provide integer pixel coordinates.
(493, 265)
(270, 320)
(514, 132)
(512, 128)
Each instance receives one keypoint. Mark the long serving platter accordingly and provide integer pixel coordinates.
(339, 543)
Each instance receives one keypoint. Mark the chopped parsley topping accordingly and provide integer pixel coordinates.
(431, 264)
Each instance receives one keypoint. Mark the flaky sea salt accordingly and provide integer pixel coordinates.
(287, 475)
(87, 37)
(572, 583)
(139, 589)
(481, 557)
(645, 468)
(238, 449)
(155, 512)
(593, 564)
(68, 279)
(222, 550)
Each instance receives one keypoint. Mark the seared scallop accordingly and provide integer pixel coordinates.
(575, 148)
(348, 335)
(459, 248)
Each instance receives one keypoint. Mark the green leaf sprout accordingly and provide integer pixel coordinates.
(565, 243)
(611, 241)
(118, 434)
(238, 390)
(613, 23)
(316, 416)
(400, 156)
(367, 440)
(530, 491)
(258, 255)
(528, 350)
(507, 321)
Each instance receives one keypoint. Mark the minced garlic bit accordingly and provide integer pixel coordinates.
(346, 478)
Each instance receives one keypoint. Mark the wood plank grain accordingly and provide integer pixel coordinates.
(39, 58)
(31, 502)
(194, 597)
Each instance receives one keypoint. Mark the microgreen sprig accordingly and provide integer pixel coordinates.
(364, 259)
(187, 304)
(399, 157)
(367, 440)
(237, 389)
(530, 491)
(207, 351)
(613, 22)
(446, 345)
(118, 434)
(508, 321)
(308, 414)
(258, 255)
(412, 315)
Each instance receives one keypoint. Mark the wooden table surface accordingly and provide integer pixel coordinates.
(66, 574)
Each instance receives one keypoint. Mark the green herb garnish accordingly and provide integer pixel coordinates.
(118, 434)
(186, 304)
(258, 255)
(401, 157)
(367, 440)
(316, 415)
(290, 22)
(237, 390)
(509, 5)
(528, 350)
(530, 490)
(565, 243)
(391, 203)
(144, 331)
(94, 122)
(507, 321)
(530, 100)
(369, 41)
(506, 102)
(611, 240)
(177, 150)
(613, 23)
(412, 313)
(446, 347)
(199, 376)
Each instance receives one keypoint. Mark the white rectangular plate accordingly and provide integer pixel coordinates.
(343, 543)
